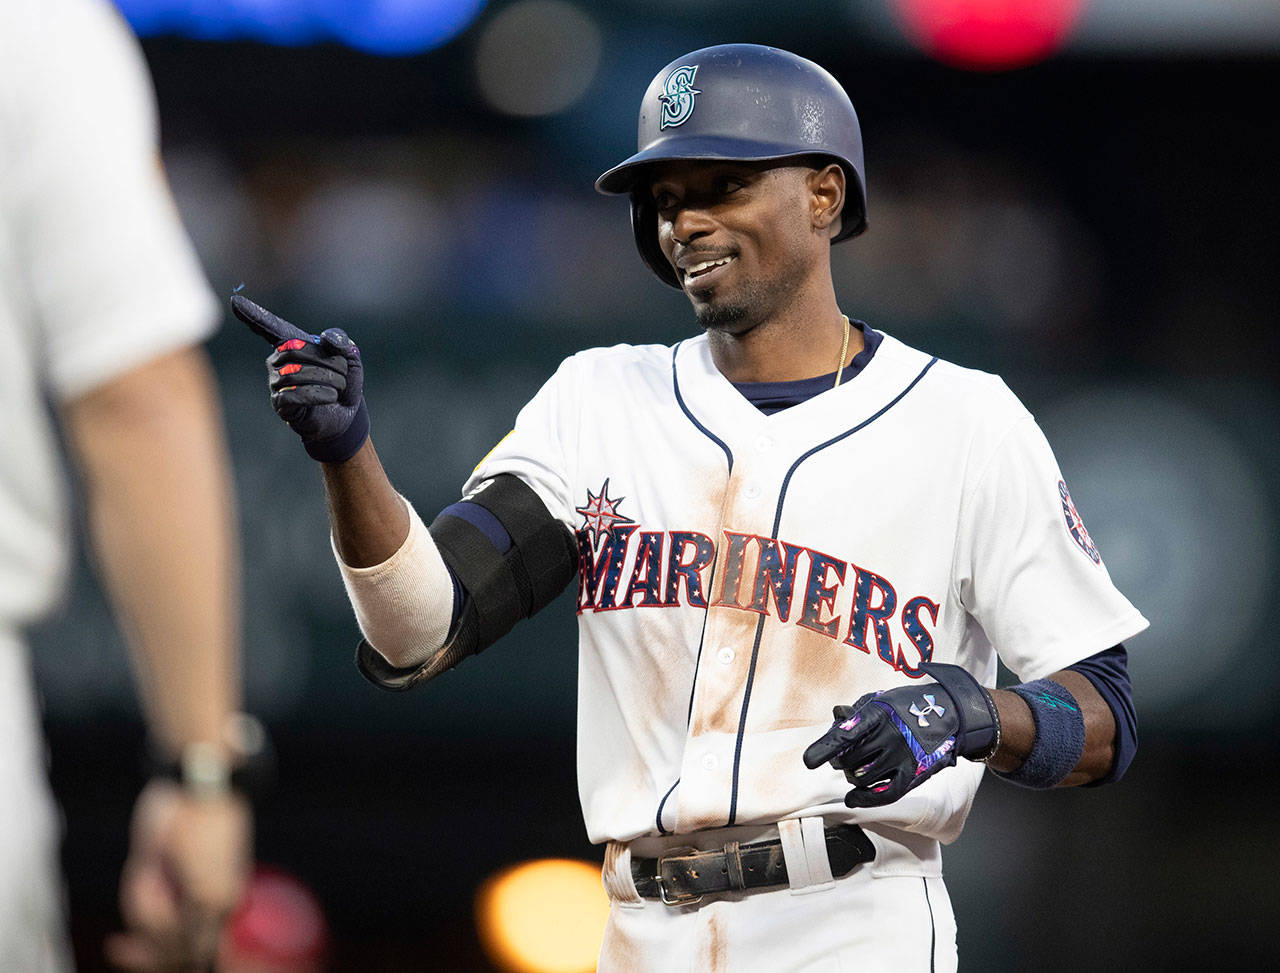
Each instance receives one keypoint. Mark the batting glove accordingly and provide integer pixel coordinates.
(892, 741)
(316, 381)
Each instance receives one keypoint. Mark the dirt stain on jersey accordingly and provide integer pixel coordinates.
(813, 674)
(618, 952)
(715, 951)
(718, 702)
(704, 818)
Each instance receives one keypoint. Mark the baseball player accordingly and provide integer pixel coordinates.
(789, 514)
(102, 309)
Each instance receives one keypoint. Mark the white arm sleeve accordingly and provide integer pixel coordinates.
(405, 604)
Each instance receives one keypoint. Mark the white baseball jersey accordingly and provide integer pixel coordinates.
(96, 276)
(740, 574)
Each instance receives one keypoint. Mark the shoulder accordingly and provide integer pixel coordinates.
(621, 363)
(962, 396)
(44, 36)
(75, 84)
(629, 356)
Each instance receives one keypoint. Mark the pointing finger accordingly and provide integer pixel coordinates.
(824, 748)
(265, 324)
(835, 741)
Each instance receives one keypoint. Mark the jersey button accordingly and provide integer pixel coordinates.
(764, 444)
(725, 656)
(709, 761)
(751, 491)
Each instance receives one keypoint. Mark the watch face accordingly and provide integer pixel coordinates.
(206, 770)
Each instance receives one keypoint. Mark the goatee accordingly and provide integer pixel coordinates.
(721, 317)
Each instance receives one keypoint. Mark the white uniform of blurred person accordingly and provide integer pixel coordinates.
(102, 306)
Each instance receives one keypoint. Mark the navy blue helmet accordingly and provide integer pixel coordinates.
(740, 102)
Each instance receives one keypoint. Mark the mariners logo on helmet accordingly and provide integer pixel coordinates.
(677, 96)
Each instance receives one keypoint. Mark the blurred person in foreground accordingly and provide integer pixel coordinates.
(102, 309)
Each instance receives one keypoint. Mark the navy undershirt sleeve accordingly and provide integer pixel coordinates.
(1108, 671)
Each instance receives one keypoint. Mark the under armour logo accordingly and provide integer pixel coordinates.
(933, 707)
(677, 96)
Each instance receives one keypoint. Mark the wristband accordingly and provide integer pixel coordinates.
(346, 444)
(1059, 739)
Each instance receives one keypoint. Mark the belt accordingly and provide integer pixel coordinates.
(683, 876)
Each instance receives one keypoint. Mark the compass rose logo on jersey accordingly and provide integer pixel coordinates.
(1075, 525)
(677, 96)
(600, 513)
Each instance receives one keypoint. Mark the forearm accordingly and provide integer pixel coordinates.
(396, 581)
(367, 517)
(1017, 730)
(153, 458)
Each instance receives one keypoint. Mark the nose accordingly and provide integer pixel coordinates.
(689, 223)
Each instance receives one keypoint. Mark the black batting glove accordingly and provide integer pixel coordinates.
(892, 741)
(316, 382)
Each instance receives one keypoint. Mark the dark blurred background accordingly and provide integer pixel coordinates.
(1089, 211)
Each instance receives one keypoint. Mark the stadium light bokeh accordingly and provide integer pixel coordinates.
(390, 27)
(989, 35)
(544, 916)
(520, 64)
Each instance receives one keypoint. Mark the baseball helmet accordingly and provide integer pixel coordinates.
(742, 102)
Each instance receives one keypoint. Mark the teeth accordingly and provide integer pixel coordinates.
(702, 268)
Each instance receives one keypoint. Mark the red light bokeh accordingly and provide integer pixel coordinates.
(988, 35)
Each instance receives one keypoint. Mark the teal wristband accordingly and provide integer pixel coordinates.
(1059, 740)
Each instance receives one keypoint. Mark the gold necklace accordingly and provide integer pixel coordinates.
(844, 350)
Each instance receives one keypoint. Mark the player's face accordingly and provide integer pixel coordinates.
(739, 235)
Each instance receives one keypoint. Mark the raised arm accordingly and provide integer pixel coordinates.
(424, 598)
(367, 516)
(398, 584)
(317, 387)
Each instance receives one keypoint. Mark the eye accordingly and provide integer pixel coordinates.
(727, 185)
(663, 200)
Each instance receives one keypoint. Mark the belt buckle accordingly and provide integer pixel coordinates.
(680, 898)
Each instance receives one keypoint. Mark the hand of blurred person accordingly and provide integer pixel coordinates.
(316, 381)
(186, 870)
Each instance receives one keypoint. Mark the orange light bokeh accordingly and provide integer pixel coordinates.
(544, 916)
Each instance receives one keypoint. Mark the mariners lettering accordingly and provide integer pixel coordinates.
(758, 574)
(600, 567)
(700, 551)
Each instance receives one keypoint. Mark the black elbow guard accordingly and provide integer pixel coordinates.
(499, 587)
(504, 587)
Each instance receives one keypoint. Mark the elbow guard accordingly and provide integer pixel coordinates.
(499, 587)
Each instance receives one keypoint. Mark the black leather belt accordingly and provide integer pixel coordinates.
(683, 876)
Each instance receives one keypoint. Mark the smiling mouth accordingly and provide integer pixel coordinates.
(694, 271)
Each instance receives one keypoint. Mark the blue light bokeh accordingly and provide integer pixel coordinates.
(389, 27)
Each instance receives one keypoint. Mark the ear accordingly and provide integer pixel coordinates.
(826, 198)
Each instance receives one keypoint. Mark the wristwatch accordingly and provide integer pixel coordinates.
(245, 763)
